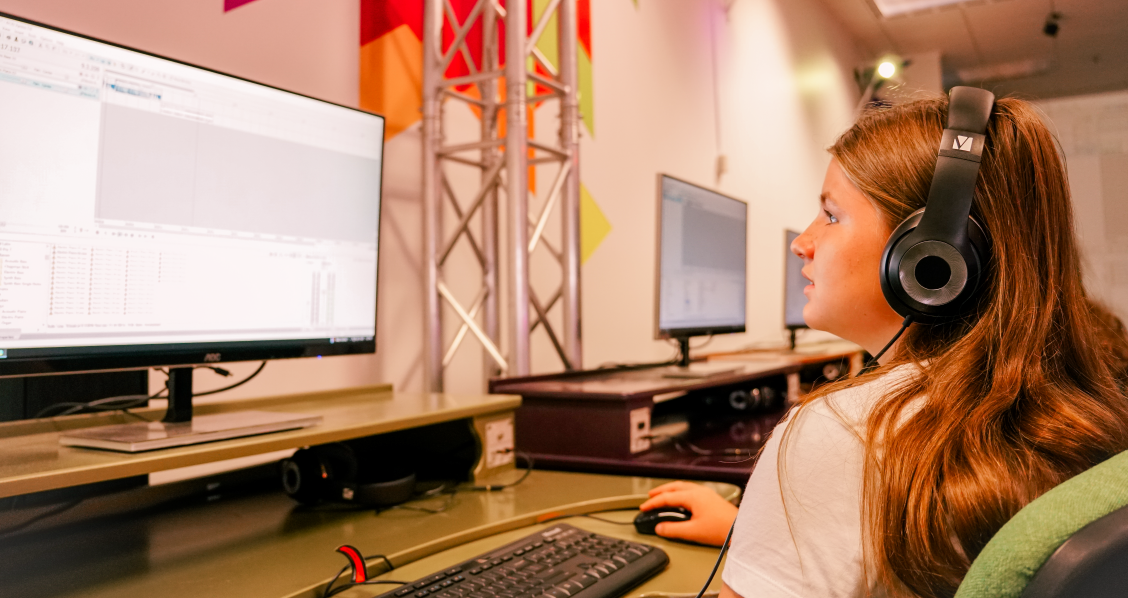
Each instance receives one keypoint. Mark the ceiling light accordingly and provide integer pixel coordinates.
(889, 8)
(886, 69)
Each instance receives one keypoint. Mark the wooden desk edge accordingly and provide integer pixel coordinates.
(438, 545)
(149, 462)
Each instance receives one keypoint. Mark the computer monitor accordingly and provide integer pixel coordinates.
(794, 300)
(702, 263)
(156, 213)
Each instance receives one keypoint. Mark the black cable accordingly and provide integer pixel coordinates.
(120, 403)
(239, 383)
(40, 517)
(453, 492)
(873, 360)
(726, 452)
(495, 487)
(126, 402)
(717, 565)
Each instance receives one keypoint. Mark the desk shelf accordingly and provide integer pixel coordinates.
(31, 459)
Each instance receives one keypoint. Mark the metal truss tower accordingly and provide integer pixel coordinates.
(500, 89)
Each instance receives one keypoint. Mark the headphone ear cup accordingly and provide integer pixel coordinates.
(340, 462)
(906, 250)
(304, 477)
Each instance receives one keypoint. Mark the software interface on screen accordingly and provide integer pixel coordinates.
(148, 202)
(703, 253)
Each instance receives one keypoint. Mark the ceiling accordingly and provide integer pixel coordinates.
(999, 44)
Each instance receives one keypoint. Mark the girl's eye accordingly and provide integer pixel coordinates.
(830, 217)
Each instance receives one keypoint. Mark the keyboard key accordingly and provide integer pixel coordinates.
(447, 583)
(557, 577)
(475, 571)
(454, 571)
(421, 593)
(571, 587)
(405, 591)
(584, 580)
(557, 593)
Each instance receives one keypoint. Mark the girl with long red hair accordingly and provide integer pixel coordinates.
(892, 482)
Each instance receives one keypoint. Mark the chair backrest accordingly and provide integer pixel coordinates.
(1012, 559)
(1093, 563)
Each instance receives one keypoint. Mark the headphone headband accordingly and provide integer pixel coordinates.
(934, 261)
(957, 165)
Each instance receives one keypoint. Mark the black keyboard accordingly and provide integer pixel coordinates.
(559, 562)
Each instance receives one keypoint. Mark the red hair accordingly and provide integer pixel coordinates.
(1022, 393)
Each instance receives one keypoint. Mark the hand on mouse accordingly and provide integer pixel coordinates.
(712, 515)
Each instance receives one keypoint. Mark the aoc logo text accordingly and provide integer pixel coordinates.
(211, 357)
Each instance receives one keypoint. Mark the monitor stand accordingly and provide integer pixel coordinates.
(179, 428)
(685, 369)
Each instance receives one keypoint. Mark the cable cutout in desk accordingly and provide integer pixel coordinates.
(359, 565)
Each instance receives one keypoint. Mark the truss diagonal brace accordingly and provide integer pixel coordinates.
(483, 191)
(474, 307)
(491, 348)
(460, 35)
(548, 204)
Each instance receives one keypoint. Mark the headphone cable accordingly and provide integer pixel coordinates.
(873, 360)
(717, 565)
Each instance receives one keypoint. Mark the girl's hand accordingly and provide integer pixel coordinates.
(712, 515)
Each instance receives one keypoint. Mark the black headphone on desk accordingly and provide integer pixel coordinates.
(935, 261)
(332, 473)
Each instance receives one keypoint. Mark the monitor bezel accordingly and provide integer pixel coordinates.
(668, 333)
(142, 356)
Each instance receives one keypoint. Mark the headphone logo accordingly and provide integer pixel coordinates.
(962, 143)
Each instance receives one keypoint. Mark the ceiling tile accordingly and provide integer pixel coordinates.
(1010, 31)
(942, 30)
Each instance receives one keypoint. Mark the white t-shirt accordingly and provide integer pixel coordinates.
(804, 538)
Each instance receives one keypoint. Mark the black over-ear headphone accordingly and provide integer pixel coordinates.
(935, 261)
(330, 472)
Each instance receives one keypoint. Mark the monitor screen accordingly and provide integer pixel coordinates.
(157, 213)
(702, 255)
(793, 298)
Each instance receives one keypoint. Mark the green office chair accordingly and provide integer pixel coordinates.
(1071, 542)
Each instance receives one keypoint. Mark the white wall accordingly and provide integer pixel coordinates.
(786, 90)
(1093, 131)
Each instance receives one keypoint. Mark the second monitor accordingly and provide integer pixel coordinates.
(702, 263)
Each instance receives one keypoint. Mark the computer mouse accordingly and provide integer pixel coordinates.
(646, 521)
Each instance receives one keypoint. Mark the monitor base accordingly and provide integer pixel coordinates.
(147, 436)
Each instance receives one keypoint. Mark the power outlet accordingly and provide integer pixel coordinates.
(640, 430)
(499, 443)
